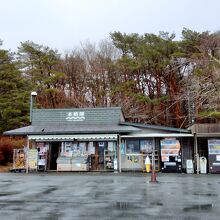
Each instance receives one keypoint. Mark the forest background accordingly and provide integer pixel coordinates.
(154, 78)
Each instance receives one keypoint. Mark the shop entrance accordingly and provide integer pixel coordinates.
(53, 155)
(203, 149)
(97, 159)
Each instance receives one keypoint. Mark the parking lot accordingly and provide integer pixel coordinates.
(108, 196)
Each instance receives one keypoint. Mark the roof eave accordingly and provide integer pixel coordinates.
(180, 130)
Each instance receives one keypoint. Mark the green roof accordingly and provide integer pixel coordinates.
(77, 116)
(72, 129)
(156, 127)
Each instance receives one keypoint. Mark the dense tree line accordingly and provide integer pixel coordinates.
(154, 78)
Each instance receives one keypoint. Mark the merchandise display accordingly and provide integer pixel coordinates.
(109, 159)
(19, 161)
(80, 163)
(75, 163)
(64, 163)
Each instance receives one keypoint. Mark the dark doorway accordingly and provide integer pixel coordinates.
(54, 153)
(97, 159)
(203, 149)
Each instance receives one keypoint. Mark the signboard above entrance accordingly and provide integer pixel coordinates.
(75, 116)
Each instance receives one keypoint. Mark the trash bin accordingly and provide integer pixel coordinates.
(203, 164)
(189, 166)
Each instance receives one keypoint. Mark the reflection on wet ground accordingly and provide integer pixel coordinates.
(76, 196)
(203, 207)
(205, 194)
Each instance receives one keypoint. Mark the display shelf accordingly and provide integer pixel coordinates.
(109, 160)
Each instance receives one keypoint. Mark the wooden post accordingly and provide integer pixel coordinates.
(196, 153)
(153, 172)
(119, 154)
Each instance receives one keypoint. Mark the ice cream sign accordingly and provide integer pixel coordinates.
(75, 116)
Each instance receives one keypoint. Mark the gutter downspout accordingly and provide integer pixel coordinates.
(26, 154)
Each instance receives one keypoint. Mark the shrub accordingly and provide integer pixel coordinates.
(7, 145)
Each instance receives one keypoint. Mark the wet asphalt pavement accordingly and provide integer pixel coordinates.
(91, 196)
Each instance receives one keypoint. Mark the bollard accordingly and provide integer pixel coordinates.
(153, 177)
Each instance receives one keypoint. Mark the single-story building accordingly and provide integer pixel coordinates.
(99, 139)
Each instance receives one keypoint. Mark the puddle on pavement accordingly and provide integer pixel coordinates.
(104, 193)
(205, 194)
(7, 193)
(157, 203)
(53, 216)
(123, 205)
(7, 181)
(49, 190)
(12, 202)
(203, 207)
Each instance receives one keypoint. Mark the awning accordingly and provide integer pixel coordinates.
(156, 135)
(98, 137)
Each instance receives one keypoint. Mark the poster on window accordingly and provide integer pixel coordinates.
(214, 146)
(110, 146)
(82, 147)
(91, 148)
(146, 146)
(122, 149)
(68, 149)
(169, 147)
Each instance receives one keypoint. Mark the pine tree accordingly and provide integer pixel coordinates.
(14, 94)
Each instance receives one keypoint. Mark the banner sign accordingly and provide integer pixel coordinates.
(32, 159)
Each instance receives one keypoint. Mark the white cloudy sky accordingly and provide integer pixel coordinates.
(63, 24)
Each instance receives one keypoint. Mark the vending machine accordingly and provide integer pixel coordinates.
(214, 155)
(170, 155)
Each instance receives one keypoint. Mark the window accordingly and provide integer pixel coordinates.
(133, 146)
(146, 146)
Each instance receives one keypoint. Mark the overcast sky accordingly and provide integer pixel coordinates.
(63, 24)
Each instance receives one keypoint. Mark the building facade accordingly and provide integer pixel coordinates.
(99, 139)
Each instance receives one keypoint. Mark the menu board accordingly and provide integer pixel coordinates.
(32, 158)
(169, 147)
(214, 146)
